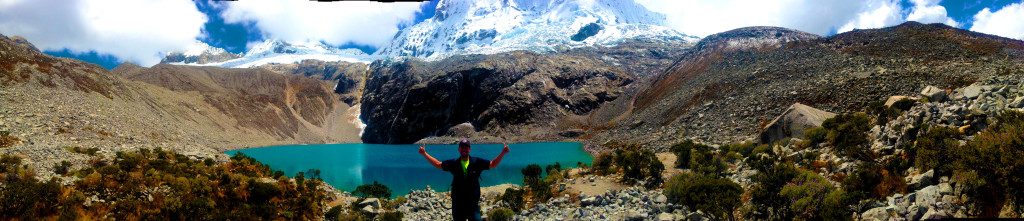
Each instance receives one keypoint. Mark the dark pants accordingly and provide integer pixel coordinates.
(465, 208)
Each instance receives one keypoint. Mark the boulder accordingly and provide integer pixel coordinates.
(933, 94)
(921, 180)
(928, 196)
(661, 198)
(462, 130)
(894, 99)
(588, 201)
(878, 213)
(666, 217)
(1017, 103)
(972, 91)
(934, 213)
(915, 212)
(793, 122)
(374, 202)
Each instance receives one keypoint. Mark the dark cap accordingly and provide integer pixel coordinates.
(464, 143)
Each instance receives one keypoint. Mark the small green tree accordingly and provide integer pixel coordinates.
(848, 134)
(513, 199)
(375, 190)
(716, 196)
(814, 198)
(500, 214)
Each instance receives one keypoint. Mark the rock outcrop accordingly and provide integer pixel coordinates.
(793, 122)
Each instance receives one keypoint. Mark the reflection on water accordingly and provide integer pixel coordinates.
(402, 168)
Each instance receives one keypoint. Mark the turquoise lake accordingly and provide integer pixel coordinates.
(402, 168)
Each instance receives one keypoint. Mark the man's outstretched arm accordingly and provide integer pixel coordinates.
(497, 160)
(433, 161)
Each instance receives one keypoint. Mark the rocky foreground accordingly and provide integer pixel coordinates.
(924, 195)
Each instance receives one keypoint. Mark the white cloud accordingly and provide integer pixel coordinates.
(1006, 22)
(705, 17)
(365, 23)
(929, 11)
(131, 30)
(876, 14)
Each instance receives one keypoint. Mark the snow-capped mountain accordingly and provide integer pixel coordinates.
(494, 26)
(280, 52)
(199, 53)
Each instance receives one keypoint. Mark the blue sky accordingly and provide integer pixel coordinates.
(109, 32)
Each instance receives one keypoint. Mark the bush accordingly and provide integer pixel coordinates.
(391, 216)
(848, 134)
(765, 200)
(815, 136)
(636, 166)
(882, 113)
(992, 163)
(715, 196)
(603, 164)
(705, 162)
(61, 168)
(904, 104)
(6, 140)
(375, 190)
(500, 214)
(933, 148)
(513, 199)
(531, 174)
(334, 213)
(682, 152)
(812, 197)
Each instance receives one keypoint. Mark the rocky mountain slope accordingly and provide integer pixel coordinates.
(519, 95)
(51, 104)
(733, 83)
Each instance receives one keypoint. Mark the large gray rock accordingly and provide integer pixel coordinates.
(793, 122)
(933, 94)
(928, 196)
(666, 217)
(934, 213)
(374, 202)
(589, 201)
(1017, 103)
(915, 212)
(972, 91)
(878, 213)
(921, 180)
(894, 99)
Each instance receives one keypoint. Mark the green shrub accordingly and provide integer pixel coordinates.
(375, 190)
(513, 199)
(741, 148)
(682, 152)
(6, 140)
(603, 164)
(705, 162)
(715, 196)
(872, 180)
(261, 192)
(848, 134)
(812, 197)
(500, 214)
(556, 167)
(391, 216)
(815, 136)
(881, 112)
(933, 148)
(637, 166)
(992, 162)
(766, 203)
(334, 213)
(92, 151)
(531, 174)
(904, 104)
(62, 167)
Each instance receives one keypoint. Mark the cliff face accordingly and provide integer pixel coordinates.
(409, 100)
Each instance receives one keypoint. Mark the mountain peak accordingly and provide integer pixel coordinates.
(494, 26)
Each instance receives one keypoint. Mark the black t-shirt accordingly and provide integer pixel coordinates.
(468, 183)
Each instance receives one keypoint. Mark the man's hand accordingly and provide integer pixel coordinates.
(504, 150)
(422, 150)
